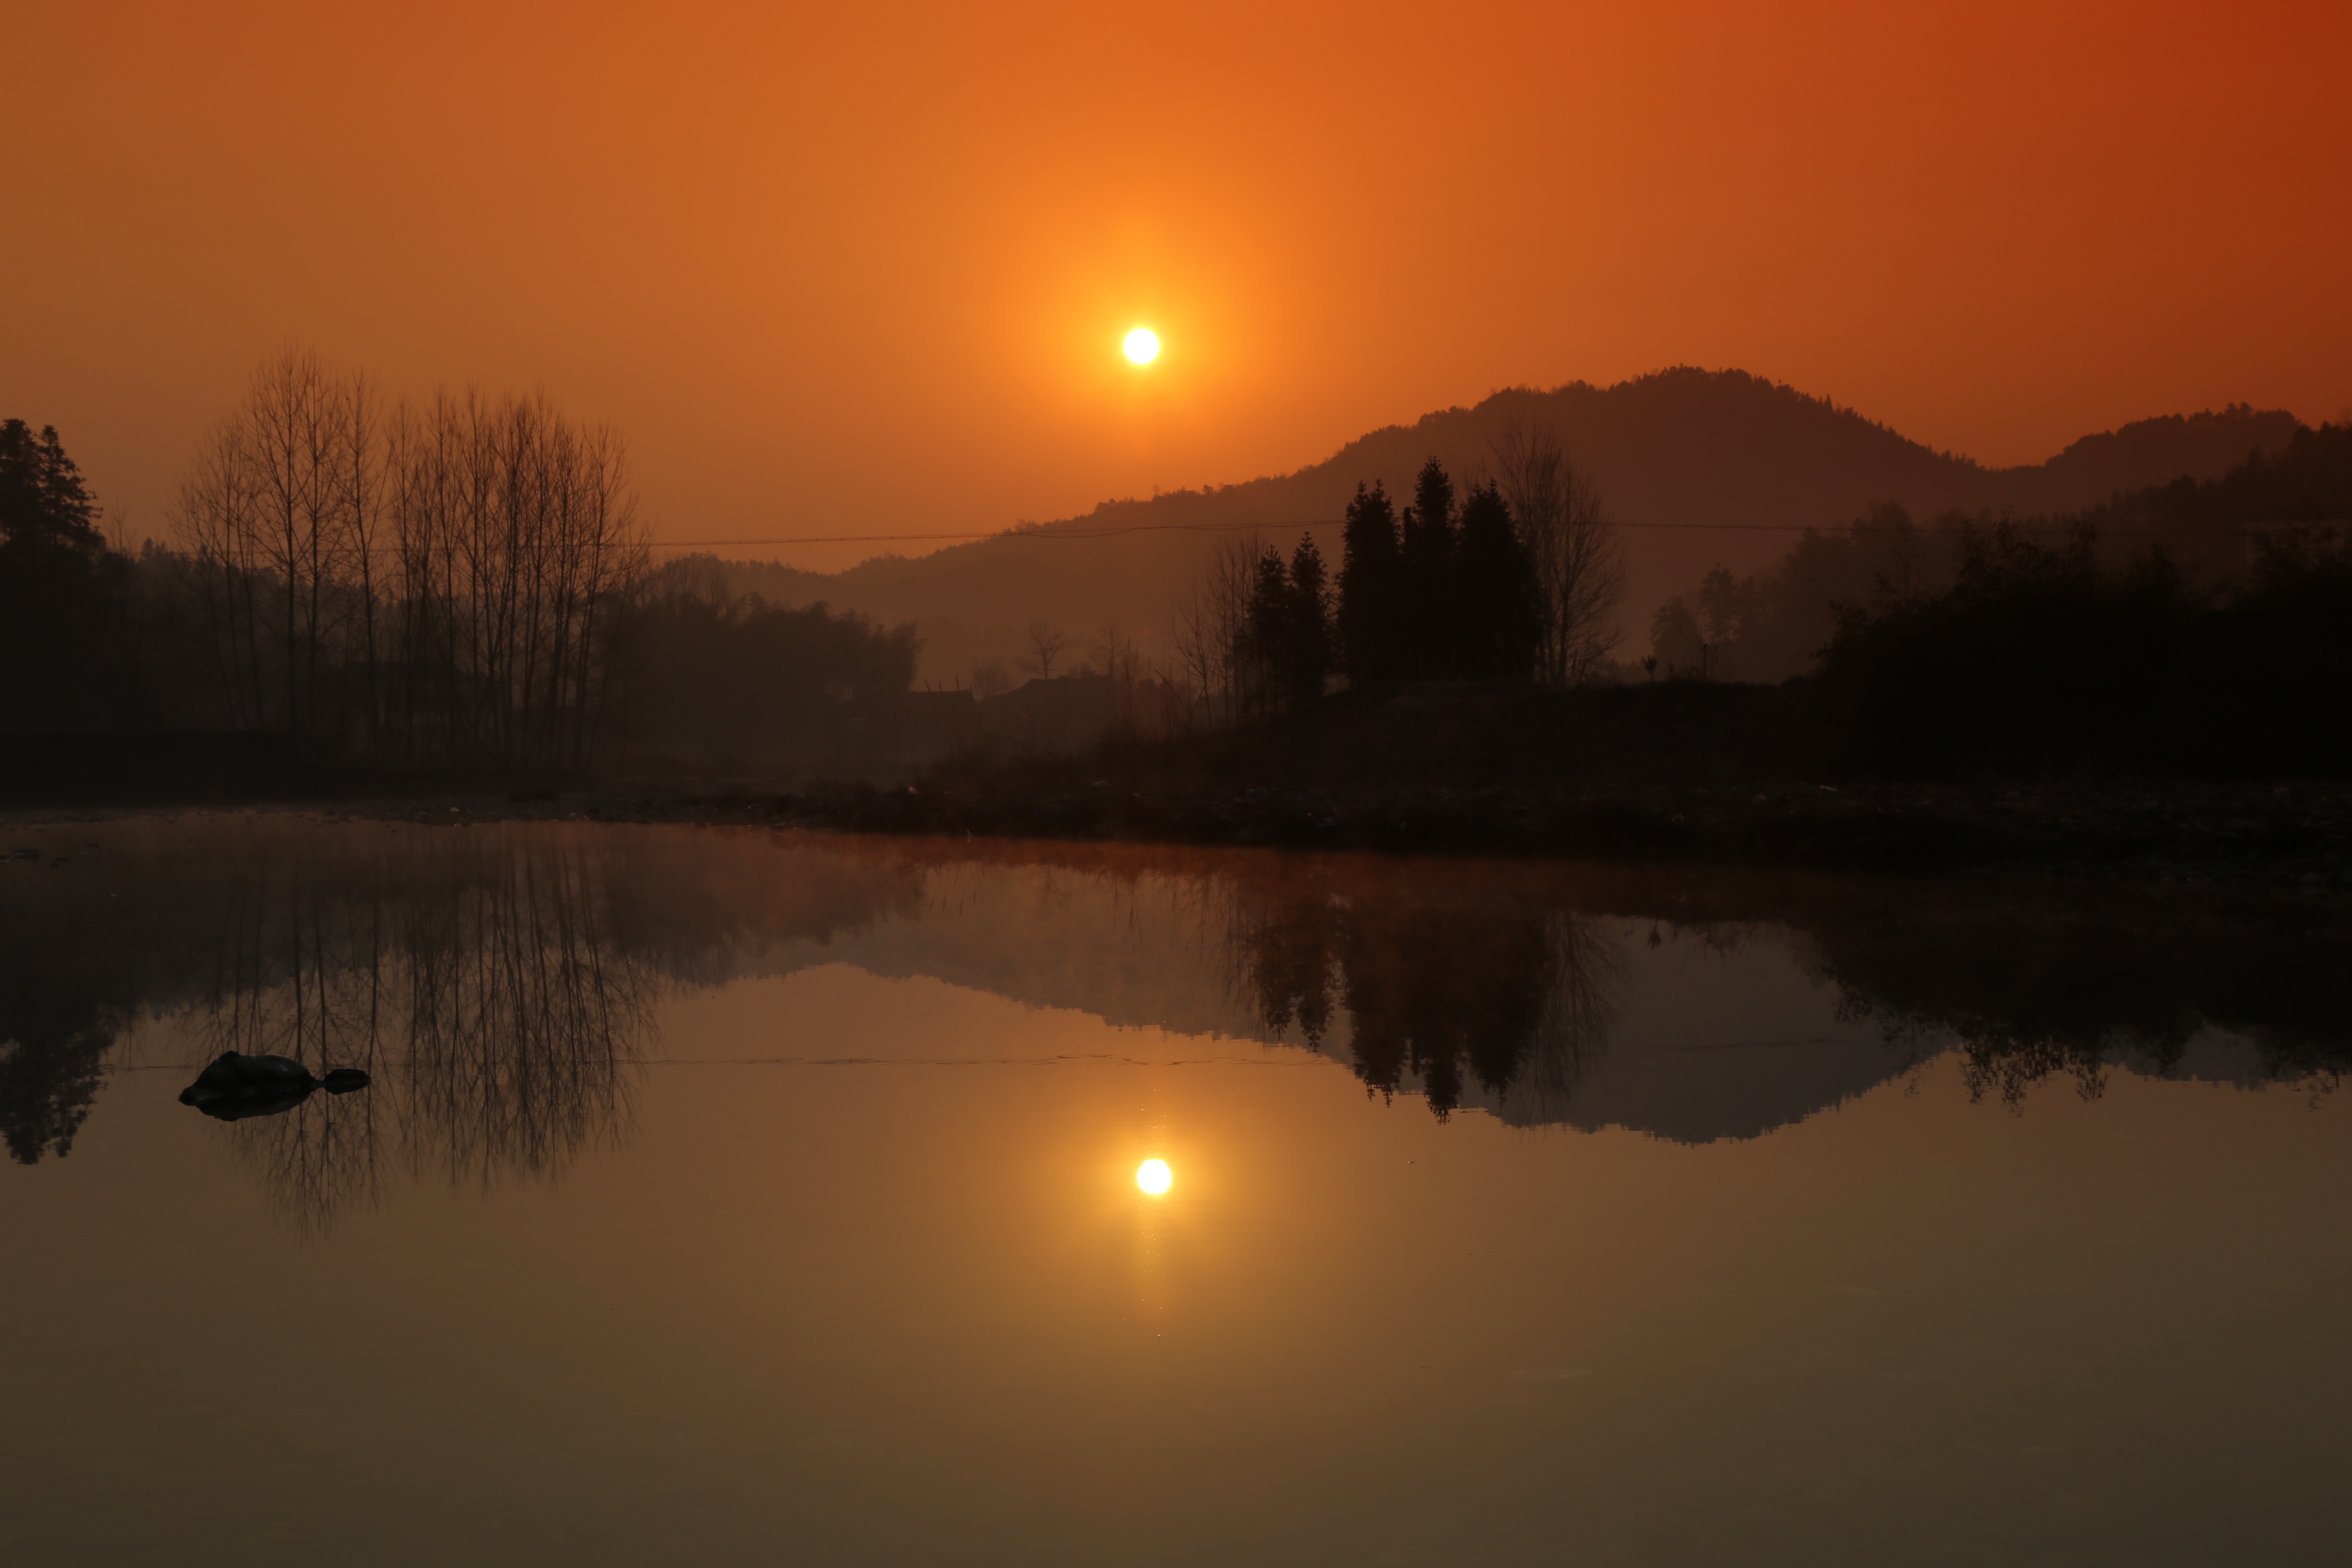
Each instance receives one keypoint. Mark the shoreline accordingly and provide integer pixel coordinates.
(2298, 835)
(2277, 835)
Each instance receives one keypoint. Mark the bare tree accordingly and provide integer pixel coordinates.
(1114, 653)
(1579, 1008)
(1579, 564)
(517, 541)
(450, 575)
(1046, 643)
(479, 981)
(1212, 631)
(359, 416)
(280, 517)
(1193, 667)
(214, 516)
(290, 442)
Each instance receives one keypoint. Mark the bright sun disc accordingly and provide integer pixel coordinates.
(1143, 347)
(1153, 1176)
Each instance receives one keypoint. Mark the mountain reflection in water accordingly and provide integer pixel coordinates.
(1509, 977)
(500, 983)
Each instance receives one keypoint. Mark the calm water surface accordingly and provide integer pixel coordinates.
(745, 1198)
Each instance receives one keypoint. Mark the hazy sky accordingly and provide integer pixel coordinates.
(848, 269)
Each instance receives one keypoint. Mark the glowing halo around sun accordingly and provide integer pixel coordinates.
(1142, 345)
(1154, 1176)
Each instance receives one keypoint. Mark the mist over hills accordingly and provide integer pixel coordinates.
(1704, 467)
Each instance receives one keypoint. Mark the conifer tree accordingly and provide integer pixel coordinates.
(63, 632)
(44, 507)
(1370, 580)
(1428, 578)
(1497, 609)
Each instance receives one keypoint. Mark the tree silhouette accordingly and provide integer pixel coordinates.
(50, 1070)
(1288, 630)
(1702, 642)
(1440, 599)
(1428, 543)
(1506, 992)
(63, 619)
(1048, 642)
(990, 678)
(1371, 612)
(735, 676)
(441, 584)
(1216, 657)
(1579, 566)
(1497, 608)
(1308, 627)
(44, 506)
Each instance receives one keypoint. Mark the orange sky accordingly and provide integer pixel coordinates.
(842, 269)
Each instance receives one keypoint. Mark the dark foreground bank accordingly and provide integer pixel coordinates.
(1686, 772)
(1680, 772)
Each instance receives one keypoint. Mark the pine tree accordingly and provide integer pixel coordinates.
(1428, 577)
(63, 634)
(1268, 631)
(43, 504)
(1370, 580)
(1497, 609)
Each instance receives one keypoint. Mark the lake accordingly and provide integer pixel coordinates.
(744, 1198)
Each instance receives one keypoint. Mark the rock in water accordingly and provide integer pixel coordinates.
(235, 1086)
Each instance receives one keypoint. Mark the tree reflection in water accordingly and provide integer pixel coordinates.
(1447, 978)
(474, 977)
(1445, 974)
(50, 1067)
(498, 982)
(2031, 983)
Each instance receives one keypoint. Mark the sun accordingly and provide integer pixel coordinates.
(1154, 1177)
(1142, 345)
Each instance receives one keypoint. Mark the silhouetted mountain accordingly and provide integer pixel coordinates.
(2254, 560)
(2156, 451)
(1675, 452)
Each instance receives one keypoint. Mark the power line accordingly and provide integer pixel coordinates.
(1068, 534)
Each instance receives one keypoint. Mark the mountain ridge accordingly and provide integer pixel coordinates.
(1704, 466)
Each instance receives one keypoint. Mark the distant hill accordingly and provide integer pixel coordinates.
(1688, 456)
